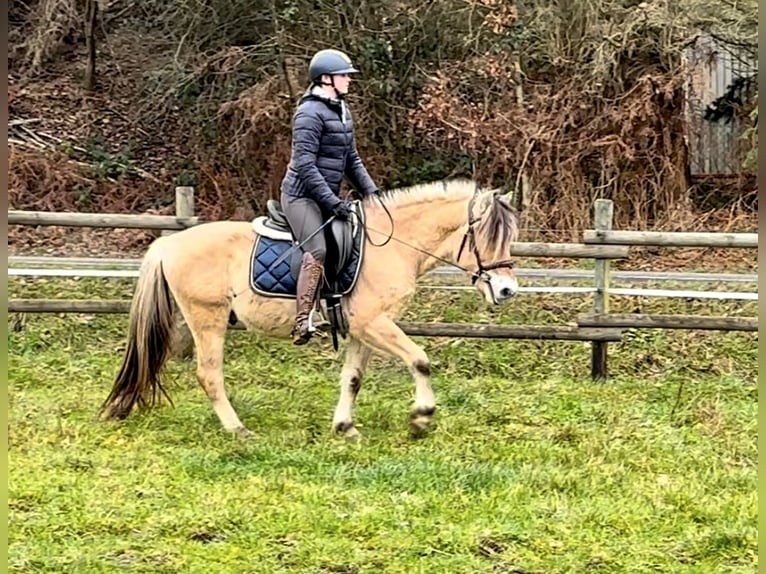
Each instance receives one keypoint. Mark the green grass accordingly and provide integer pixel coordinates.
(531, 468)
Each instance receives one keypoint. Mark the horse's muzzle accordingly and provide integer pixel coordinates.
(499, 289)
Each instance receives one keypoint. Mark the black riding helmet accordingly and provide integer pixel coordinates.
(330, 62)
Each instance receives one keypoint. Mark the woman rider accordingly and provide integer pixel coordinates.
(323, 152)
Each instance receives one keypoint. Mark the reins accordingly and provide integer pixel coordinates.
(416, 248)
(391, 219)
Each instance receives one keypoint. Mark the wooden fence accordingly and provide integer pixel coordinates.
(601, 244)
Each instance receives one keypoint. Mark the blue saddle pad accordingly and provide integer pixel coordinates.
(265, 277)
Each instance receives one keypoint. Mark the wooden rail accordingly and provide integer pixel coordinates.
(109, 220)
(642, 321)
(670, 238)
(467, 330)
(570, 250)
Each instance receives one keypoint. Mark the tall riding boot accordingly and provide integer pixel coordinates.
(308, 286)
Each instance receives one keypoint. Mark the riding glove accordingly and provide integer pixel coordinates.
(342, 210)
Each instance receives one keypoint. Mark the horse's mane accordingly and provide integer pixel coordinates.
(403, 196)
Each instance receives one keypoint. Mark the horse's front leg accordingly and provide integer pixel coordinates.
(385, 335)
(357, 356)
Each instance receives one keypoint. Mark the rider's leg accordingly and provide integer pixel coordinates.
(305, 217)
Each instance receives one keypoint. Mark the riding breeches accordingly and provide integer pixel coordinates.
(305, 217)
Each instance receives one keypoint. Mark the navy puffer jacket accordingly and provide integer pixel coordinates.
(323, 151)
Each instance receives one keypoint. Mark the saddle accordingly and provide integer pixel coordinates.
(341, 236)
(276, 260)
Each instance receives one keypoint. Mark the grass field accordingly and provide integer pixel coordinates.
(532, 467)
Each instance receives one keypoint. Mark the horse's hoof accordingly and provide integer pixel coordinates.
(420, 428)
(352, 435)
(348, 431)
(242, 432)
(113, 412)
(421, 421)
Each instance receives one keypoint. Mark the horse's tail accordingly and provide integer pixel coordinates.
(149, 341)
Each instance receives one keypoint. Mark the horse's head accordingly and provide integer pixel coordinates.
(486, 246)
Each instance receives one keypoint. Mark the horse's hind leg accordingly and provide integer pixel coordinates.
(208, 328)
(385, 335)
(183, 342)
(357, 356)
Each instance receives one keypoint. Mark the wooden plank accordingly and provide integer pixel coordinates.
(603, 211)
(670, 238)
(468, 330)
(128, 221)
(648, 321)
(688, 294)
(68, 306)
(573, 250)
(542, 332)
(541, 273)
(73, 262)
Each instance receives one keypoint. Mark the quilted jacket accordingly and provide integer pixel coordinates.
(323, 152)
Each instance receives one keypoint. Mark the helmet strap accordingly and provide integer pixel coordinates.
(331, 83)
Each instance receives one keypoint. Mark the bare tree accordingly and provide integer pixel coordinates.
(91, 17)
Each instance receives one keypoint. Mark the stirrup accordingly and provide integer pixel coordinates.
(318, 326)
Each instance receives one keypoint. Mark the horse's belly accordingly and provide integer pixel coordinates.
(268, 315)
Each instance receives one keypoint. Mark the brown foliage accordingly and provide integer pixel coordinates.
(256, 138)
(574, 147)
(51, 26)
(53, 182)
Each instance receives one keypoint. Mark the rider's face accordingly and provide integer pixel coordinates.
(342, 82)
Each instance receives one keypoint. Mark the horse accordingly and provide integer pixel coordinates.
(220, 273)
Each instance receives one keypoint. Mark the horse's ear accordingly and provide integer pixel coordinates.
(514, 195)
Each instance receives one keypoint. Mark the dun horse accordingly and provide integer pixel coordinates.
(210, 271)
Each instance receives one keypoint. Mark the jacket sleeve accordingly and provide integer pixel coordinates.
(357, 173)
(307, 131)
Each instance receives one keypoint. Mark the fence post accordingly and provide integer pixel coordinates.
(603, 211)
(183, 346)
(184, 204)
(184, 201)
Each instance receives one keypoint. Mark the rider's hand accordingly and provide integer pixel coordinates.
(342, 210)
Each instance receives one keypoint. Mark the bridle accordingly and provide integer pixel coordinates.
(469, 237)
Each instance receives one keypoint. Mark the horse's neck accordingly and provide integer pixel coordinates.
(434, 228)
